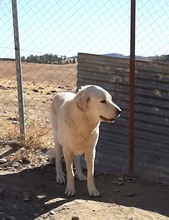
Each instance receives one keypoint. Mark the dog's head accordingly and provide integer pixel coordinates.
(97, 102)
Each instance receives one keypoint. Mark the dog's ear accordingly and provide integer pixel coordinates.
(82, 101)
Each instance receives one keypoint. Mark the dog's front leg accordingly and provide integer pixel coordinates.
(90, 157)
(70, 188)
(79, 172)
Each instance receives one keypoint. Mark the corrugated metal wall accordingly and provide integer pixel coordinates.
(152, 121)
(151, 115)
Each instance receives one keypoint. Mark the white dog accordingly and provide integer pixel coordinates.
(75, 120)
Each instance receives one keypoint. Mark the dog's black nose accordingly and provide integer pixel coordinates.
(118, 111)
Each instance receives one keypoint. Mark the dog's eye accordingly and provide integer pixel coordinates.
(103, 101)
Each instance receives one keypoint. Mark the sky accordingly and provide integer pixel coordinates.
(65, 27)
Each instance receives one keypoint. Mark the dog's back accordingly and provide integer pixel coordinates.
(57, 103)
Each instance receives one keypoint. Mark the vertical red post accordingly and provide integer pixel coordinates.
(132, 90)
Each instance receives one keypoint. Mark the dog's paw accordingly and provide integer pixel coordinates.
(93, 192)
(81, 177)
(70, 191)
(60, 178)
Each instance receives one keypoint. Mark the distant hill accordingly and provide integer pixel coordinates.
(118, 55)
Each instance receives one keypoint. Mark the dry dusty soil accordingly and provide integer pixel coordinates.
(27, 177)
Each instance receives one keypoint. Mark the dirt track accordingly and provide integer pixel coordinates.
(27, 179)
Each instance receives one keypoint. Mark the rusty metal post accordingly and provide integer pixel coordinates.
(18, 71)
(132, 89)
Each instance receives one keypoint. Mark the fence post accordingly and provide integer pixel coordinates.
(132, 89)
(18, 71)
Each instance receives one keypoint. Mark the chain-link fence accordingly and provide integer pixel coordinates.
(51, 35)
(152, 29)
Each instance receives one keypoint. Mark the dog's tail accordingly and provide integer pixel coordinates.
(51, 152)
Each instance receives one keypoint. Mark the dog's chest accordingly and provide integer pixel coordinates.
(78, 137)
(83, 137)
(81, 142)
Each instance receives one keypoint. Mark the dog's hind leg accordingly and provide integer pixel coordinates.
(58, 153)
(60, 176)
(79, 174)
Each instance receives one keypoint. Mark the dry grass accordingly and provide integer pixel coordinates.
(31, 151)
(9, 132)
(38, 137)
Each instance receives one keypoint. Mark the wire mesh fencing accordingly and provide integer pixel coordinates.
(52, 34)
(152, 30)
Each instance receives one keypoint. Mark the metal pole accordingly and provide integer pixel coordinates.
(18, 70)
(132, 89)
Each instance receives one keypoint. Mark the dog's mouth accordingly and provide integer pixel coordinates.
(106, 119)
(109, 119)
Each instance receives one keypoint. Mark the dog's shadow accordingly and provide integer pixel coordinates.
(44, 194)
(32, 192)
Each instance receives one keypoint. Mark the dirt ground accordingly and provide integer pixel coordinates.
(28, 189)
